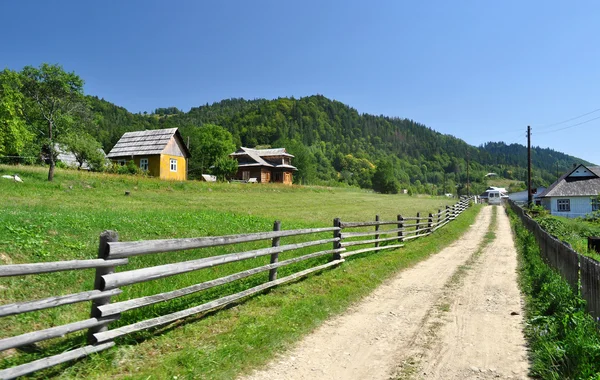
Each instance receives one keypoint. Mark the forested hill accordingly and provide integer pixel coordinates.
(332, 142)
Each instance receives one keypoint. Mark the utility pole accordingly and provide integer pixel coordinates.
(468, 190)
(529, 194)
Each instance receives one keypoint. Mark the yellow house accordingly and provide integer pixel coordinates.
(161, 152)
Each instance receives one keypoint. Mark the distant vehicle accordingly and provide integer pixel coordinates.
(495, 197)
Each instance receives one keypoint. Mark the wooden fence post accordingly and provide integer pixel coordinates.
(418, 227)
(275, 256)
(400, 225)
(337, 234)
(429, 223)
(105, 238)
(438, 218)
(377, 229)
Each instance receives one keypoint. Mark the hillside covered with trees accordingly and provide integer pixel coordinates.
(332, 142)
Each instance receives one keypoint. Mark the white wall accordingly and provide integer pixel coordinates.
(580, 206)
(582, 171)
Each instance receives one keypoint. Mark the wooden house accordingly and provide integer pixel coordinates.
(161, 152)
(264, 165)
(575, 193)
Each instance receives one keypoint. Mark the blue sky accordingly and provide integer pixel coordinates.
(478, 70)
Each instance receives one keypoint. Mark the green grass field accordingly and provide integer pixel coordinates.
(503, 182)
(41, 221)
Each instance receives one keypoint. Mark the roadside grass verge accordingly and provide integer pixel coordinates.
(564, 340)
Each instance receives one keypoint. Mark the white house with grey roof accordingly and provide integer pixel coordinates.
(575, 194)
(264, 165)
(160, 152)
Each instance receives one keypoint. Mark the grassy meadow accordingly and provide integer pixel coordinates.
(504, 182)
(42, 221)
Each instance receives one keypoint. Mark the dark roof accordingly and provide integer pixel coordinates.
(257, 156)
(569, 186)
(142, 143)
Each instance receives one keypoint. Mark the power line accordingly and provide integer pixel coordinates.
(570, 126)
(571, 119)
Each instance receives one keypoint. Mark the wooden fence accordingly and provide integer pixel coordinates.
(346, 240)
(581, 272)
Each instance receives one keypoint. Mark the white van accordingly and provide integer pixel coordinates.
(494, 197)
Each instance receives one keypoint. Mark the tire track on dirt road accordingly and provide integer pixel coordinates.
(481, 334)
(370, 339)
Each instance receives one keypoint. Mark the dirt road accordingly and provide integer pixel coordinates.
(441, 319)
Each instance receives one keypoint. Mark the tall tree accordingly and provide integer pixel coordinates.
(224, 168)
(208, 143)
(13, 132)
(86, 150)
(54, 100)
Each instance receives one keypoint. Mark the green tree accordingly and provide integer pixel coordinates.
(13, 132)
(208, 143)
(224, 168)
(384, 180)
(86, 150)
(54, 101)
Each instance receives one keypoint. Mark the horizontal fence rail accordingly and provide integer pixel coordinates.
(134, 248)
(580, 272)
(343, 242)
(57, 266)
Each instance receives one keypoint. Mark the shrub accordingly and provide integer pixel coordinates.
(224, 168)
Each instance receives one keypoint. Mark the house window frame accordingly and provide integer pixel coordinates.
(122, 162)
(144, 164)
(595, 204)
(245, 175)
(173, 164)
(563, 205)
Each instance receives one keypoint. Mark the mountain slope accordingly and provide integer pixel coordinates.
(335, 143)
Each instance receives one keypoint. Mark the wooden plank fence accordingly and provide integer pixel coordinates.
(348, 239)
(581, 272)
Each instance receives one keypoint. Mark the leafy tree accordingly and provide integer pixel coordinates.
(208, 143)
(54, 99)
(86, 150)
(224, 168)
(166, 111)
(13, 132)
(384, 180)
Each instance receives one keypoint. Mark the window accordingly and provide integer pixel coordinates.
(144, 164)
(245, 175)
(122, 162)
(595, 204)
(173, 164)
(563, 205)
